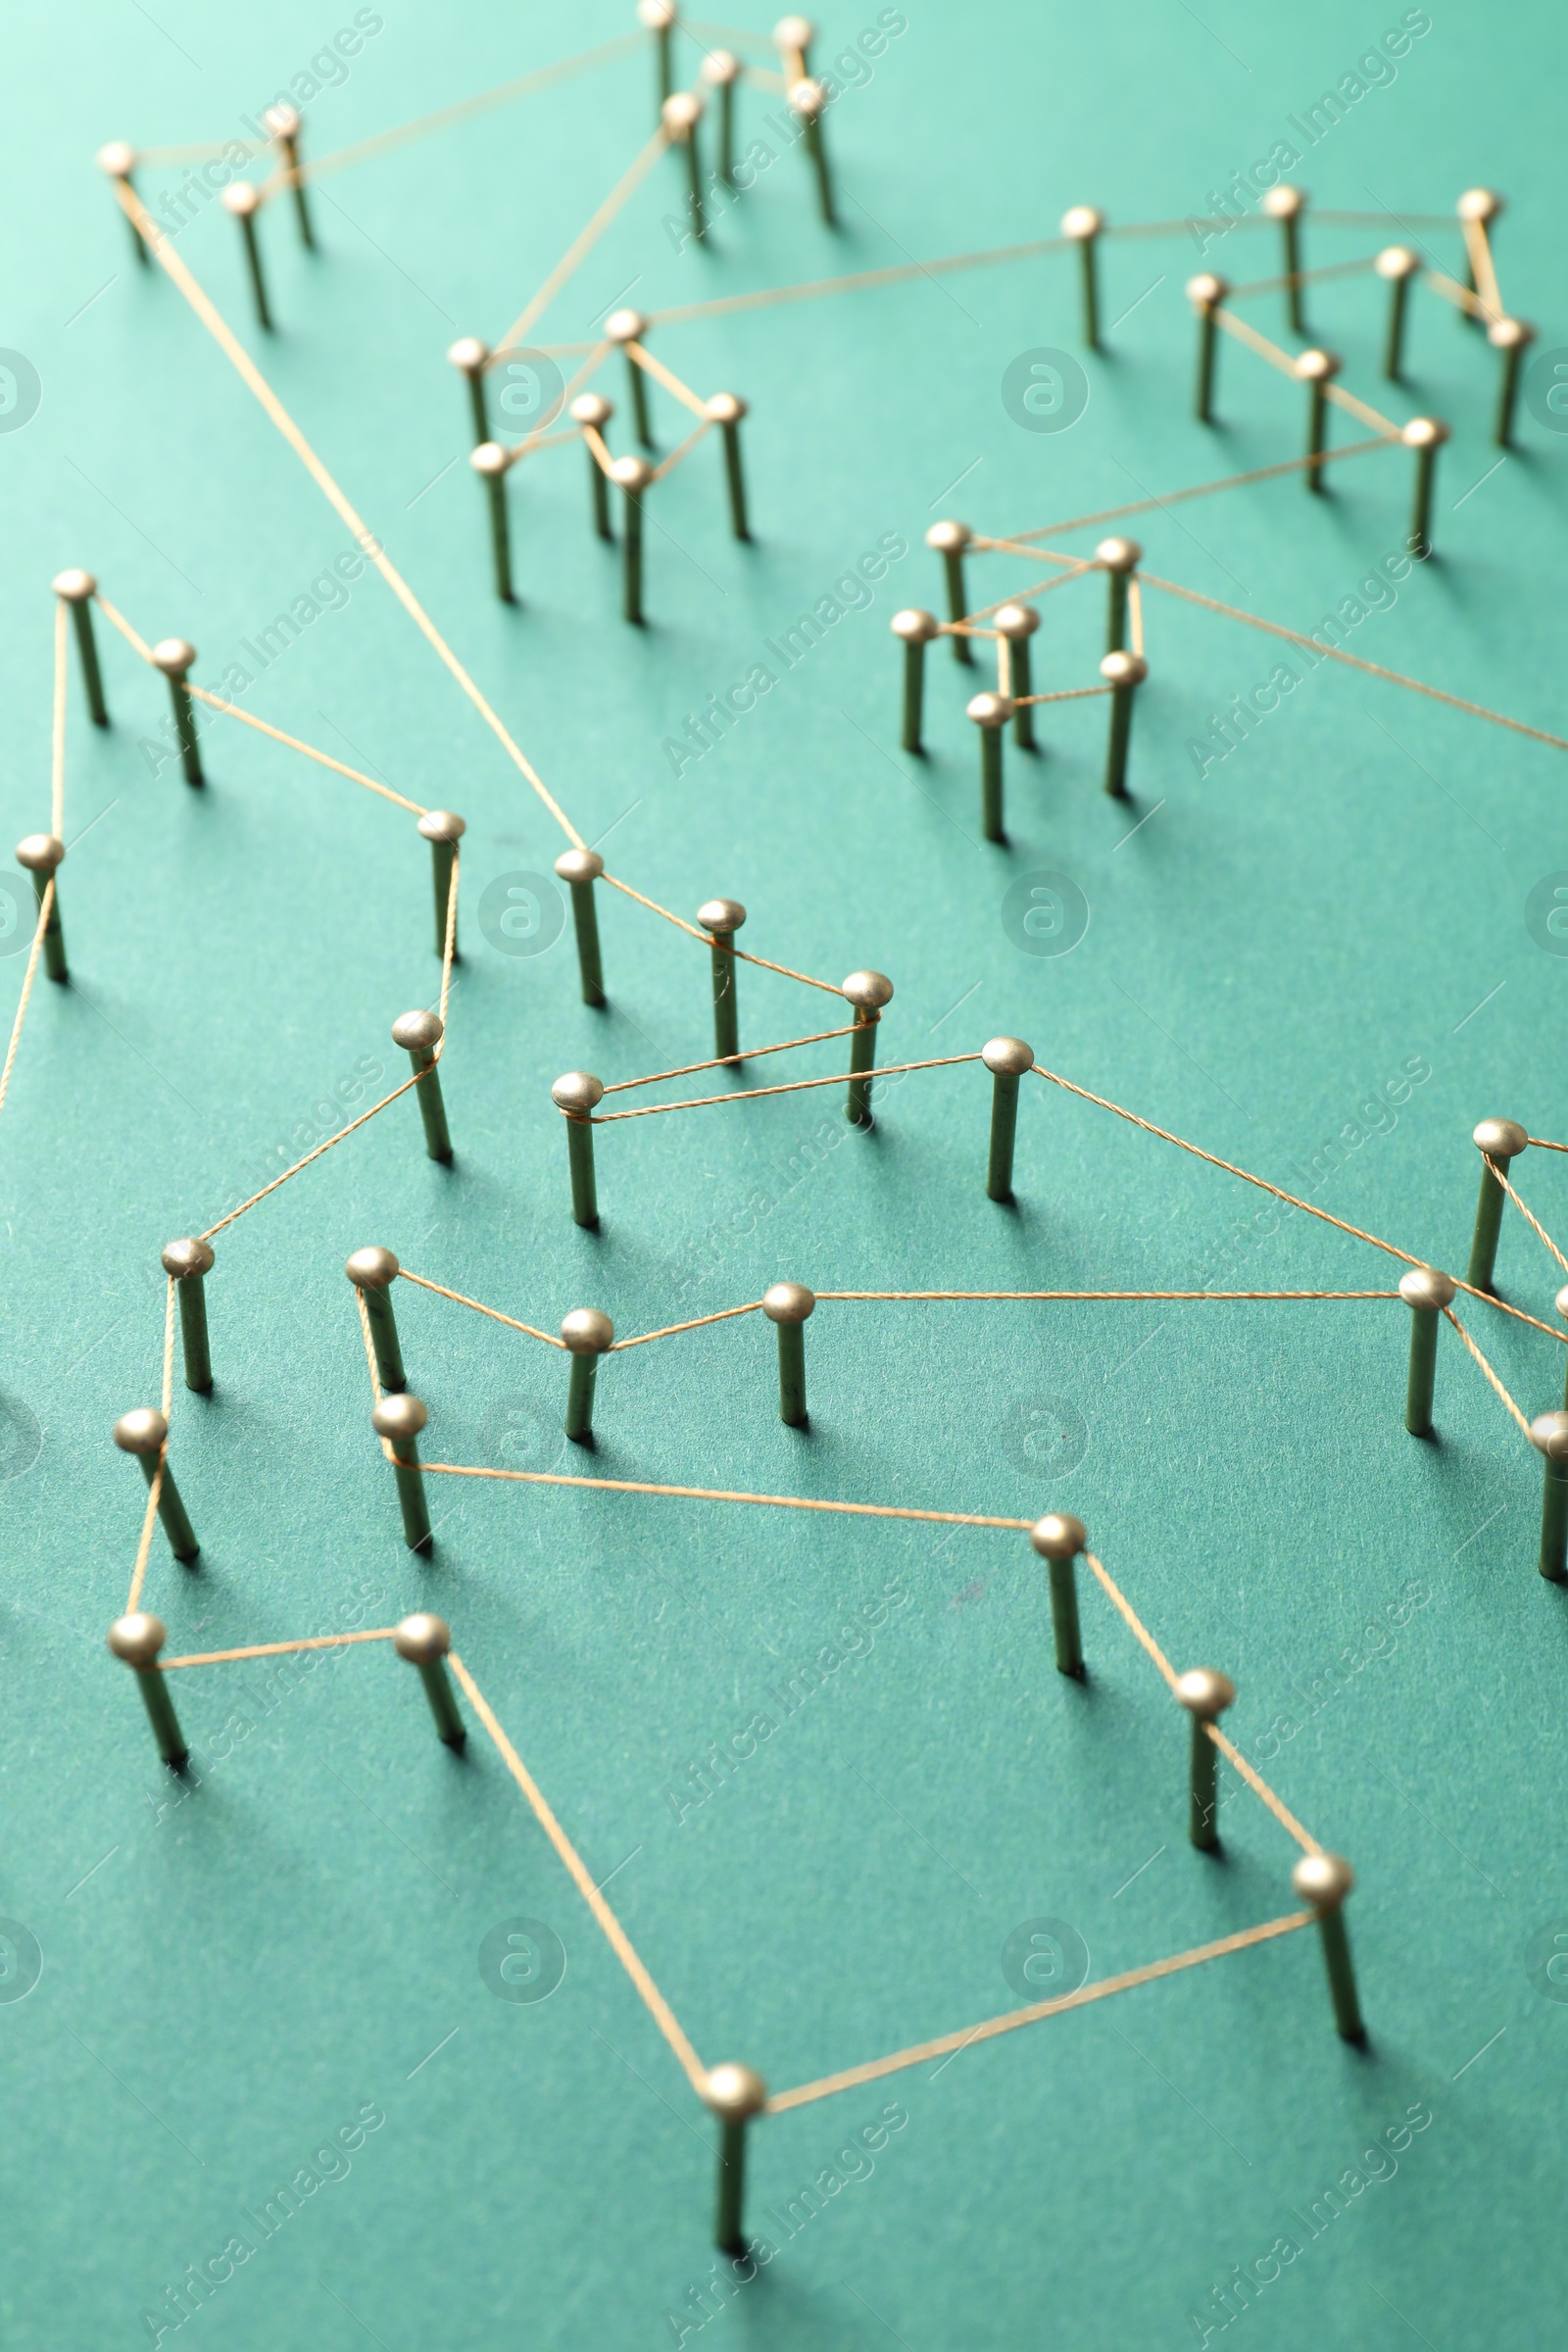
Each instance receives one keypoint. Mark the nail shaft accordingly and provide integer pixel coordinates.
(1064, 1616)
(1201, 1825)
(384, 1342)
(1208, 340)
(728, 2232)
(1116, 609)
(736, 479)
(1317, 417)
(478, 407)
(153, 1684)
(1394, 339)
(442, 855)
(817, 149)
(638, 385)
(1089, 275)
(862, 1062)
(54, 937)
(1508, 394)
(190, 757)
(913, 694)
(1023, 717)
(1554, 1563)
(580, 1397)
(1423, 1371)
(92, 678)
(792, 1374)
(191, 1291)
(585, 923)
(1426, 461)
(432, 1107)
(302, 209)
(726, 130)
(171, 1513)
(632, 552)
(1488, 1226)
(495, 485)
(991, 812)
(1004, 1134)
(694, 184)
(443, 1706)
(252, 256)
(580, 1158)
(1291, 225)
(1121, 727)
(599, 497)
(726, 1006)
(952, 568)
(1342, 1976)
(411, 1492)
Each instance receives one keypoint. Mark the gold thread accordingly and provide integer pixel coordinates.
(671, 382)
(707, 940)
(805, 978)
(1491, 1378)
(1107, 1295)
(947, 2043)
(448, 949)
(1036, 588)
(541, 437)
(139, 1574)
(601, 454)
(1478, 249)
(1243, 332)
(370, 1342)
(47, 907)
(383, 141)
(668, 466)
(586, 240)
(1303, 278)
(1130, 1617)
(316, 1155)
(1260, 1787)
(1451, 290)
(620, 1942)
(1019, 543)
(789, 1503)
(245, 366)
(901, 272)
(494, 1312)
(795, 1085)
(275, 1650)
(1355, 661)
(696, 1322)
(726, 1061)
(1531, 1220)
(1354, 406)
(248, 718)
(537, 440)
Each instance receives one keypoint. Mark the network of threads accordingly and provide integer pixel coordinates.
(1483, 300)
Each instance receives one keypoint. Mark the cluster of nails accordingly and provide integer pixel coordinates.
(1121, 671)
(735, 2094)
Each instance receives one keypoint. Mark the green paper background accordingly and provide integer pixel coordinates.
(229, 1977)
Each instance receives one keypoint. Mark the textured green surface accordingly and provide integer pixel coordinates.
(249, 1967)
